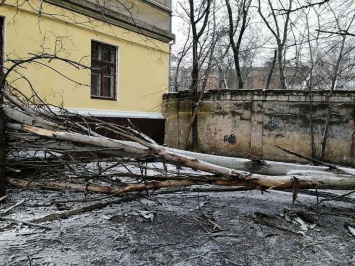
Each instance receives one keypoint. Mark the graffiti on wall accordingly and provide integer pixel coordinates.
(275, 123)
(231, 139)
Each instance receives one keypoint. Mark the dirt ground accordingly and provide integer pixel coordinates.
(187, 227)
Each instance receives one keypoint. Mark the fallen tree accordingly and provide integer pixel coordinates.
(38, 138)
(307, 181)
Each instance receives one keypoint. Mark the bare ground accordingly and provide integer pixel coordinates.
(179, 228)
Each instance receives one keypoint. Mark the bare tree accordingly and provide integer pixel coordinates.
(328, 59)
(336, 71)
(271, 72)
(199, 22)
(236, 30)
(279, 27)
(309, 81)
(182, 54)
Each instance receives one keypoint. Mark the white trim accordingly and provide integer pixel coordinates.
(111, 113)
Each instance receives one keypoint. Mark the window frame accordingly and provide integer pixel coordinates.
(102, 65)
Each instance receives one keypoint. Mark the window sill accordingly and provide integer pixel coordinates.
(103, 98)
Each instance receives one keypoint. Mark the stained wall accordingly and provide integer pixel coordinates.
(250, 123)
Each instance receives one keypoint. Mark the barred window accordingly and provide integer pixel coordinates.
(103, 71)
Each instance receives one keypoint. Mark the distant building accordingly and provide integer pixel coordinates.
(254, 78)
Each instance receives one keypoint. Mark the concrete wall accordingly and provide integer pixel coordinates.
(244, 123)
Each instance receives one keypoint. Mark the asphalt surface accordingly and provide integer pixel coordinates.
(187, 227)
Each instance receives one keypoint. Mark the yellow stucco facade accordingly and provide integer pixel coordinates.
(35, 28)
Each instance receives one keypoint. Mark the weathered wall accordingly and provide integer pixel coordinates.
(244, 123)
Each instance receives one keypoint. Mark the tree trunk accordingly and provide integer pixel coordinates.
(260, 167)
(2, 153)
(268, 82)
(232, 168)
(241, 17)
(283, 85)
(304, 181)
(329, 95)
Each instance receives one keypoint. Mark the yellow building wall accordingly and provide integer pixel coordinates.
(143, 63)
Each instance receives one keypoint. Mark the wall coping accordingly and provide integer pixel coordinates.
(267, 95)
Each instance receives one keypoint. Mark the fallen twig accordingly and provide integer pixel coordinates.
(55, 216)
(330, 196)
(331, 166)
(350, 227)
(24, 222)
(262, 218)
(340, 197)
(11, 207)
(217, 234)
(215, 226)
(306, 246)
(3, 198)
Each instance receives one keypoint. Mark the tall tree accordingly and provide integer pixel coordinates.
(312, 45)
(279, 27)
(236, 31)
(198, 13)
(341, 51)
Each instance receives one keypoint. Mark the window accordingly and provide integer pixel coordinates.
(103, 71)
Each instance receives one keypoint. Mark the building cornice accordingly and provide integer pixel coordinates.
(157, 5)
(112, 17)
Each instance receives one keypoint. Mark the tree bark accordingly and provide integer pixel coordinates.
(268, 82)
(2, 153)
(280, 37)
(309, 180)
(260, 167)
(242, 17)
(195, 73)
(90, 140)
(329, 95)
